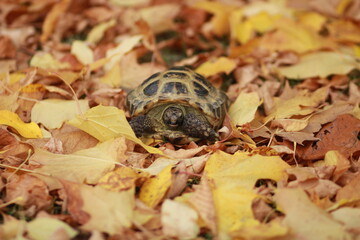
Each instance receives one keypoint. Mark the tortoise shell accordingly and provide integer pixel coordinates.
(179, 85)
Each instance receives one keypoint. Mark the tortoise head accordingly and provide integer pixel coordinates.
(173, 116)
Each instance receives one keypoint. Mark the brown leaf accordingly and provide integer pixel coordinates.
(31, 190)
(7, 48)
(340, 135)
(350, 191)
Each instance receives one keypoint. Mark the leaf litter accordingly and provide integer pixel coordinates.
(286, 165)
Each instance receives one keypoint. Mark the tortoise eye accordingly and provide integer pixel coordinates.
(200, 90)
(151, 89)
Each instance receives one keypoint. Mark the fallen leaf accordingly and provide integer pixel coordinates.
(165, 15)
(105, 123)
(114, 211)
(215, 66)
(52, 18)
(351, 190)
(84, 166)
(203, 201)
(244, 108)
(234, 177)
(47, 61)
(44, 228)
(29, 190)
(219, 22)
(179, 220)
(302, 104)
(52, 113)
(340, 135)
(121, 179)
(350, 217)
(331, 63)
(97, 32)
(305, 219)
(82, 52)
(154, 189)
(27, 130)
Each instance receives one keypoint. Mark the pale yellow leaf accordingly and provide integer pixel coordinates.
(165, 14)
(302, 104)
(305, 219)
(115, 54)
(27, 130)
(244, 108)
(105, 122)
(154, 189)
(112, 77)
(290, 125)
(129, 3)
(11, 228)
(43, 228)
(215, 66)
(52, 113)
(97, 32)
(47, 61)
(107, 211)
(179, 220)
(312, 19)
(82, 52)
(331, 63)
(84, 166)
(16, 77)
(9, 102)
(350, 217)
(262, 22)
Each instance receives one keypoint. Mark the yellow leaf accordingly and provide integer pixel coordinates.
(234, 177)
(244, 108)
(47, 61)
(105, 123)
(84, 166)
(112, 77)
(262, 22)
(342, 6)
(103, 210)
(312, 19)
(82, 52)
(244, 31)
(289, 35)
(357, 51)
(16, 77)
(97, 32)
(220, 20)
(165, 14)
(52, 17)
(305, 219)
(331, 63)
(27, 130)
(179, 220)
(154, 189)
(302, 104)
(121, 179)
(291, 125)
(115, 54)
(52, 113)
(44, 228)
(215, 66)
(265, 231)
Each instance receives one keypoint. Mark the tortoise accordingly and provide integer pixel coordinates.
(178, 105)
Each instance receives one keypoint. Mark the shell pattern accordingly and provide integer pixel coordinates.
(179, 85)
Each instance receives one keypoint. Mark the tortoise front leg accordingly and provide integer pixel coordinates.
(141, 124)
(198, 128)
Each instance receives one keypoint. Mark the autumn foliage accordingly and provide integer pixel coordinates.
(286, 165)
